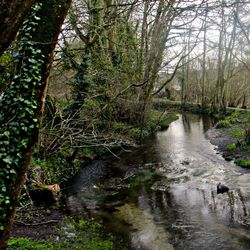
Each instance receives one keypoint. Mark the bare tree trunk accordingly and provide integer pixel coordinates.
(203, 92)
(22, 105)
(153, 59)
(12, 14)
(220, 71)
(224, 64)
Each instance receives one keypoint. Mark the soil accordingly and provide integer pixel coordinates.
(38, 223)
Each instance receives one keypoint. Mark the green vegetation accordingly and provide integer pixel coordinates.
(243, 163)
(223, 124)
(166, 104)
(18, 126)
(82, 235)
(112, 61)
(235, 127)
(142, 176)
(29, 244)
(231, 146)
(238, 133)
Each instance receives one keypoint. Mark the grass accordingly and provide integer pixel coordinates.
(82, 235)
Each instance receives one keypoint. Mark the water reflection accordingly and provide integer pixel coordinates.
(180, 209)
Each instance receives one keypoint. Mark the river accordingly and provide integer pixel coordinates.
(163, 196)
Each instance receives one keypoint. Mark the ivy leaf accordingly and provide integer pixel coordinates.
(8, 160)
(6, 133)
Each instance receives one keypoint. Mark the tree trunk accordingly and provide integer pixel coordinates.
(12, 14)
(22, 104)
(203, 92)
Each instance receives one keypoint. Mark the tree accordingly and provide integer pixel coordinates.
(12, 14)
(22, 104)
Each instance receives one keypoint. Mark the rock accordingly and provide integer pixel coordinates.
(222, 189)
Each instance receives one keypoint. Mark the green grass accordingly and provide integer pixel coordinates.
(29, 244)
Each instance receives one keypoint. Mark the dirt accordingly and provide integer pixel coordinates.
(38, 223)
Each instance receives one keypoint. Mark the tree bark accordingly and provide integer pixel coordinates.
(12, 14)
(44, 38)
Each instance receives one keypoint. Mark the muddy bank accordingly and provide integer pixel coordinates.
(38, 223)
(221, 138)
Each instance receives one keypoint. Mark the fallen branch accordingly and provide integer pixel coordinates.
(36, 224)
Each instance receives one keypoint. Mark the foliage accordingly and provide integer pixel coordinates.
(246, 148)
(19, 112)
(238, 133)
(231, 146)
(223, 124)
(54, 169)
(80, 234)
(141, 177)
(87, 235)
(243, 163)
(162, 119)
(29, 244)
(6, 69)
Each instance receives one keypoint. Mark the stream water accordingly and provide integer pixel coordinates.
(162, 195)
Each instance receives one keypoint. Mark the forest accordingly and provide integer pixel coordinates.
(116, 113)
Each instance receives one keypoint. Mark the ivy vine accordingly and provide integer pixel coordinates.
(19, 116)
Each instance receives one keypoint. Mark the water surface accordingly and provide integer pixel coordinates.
(163, 194)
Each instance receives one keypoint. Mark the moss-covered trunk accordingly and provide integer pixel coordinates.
(22, 104)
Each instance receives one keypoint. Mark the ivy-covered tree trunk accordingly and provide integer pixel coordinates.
(22, 104)
(12, 14)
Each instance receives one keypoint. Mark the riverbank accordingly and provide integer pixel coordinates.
(37, 227)
(50, 228)
(229, 135)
